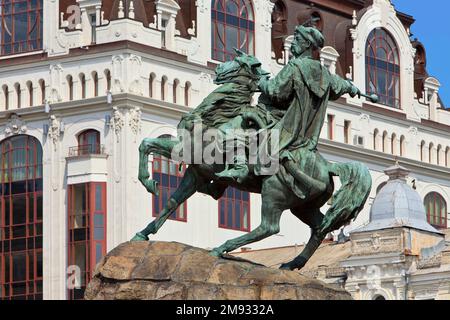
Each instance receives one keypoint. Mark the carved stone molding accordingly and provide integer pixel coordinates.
(15, 126)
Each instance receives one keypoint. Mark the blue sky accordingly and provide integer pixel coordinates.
(432, 28)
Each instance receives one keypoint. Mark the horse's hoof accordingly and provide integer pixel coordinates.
(216, 253)
(140, 237)
(286, 266)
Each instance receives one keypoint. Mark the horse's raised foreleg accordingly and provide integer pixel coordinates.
(160, 146)
(188, 186)
(271, 212)
(313, 219)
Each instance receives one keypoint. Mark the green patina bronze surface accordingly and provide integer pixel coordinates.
(293, 104)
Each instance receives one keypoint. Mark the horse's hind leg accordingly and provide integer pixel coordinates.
(313, 219)
(188, 186)
(161, 146)
(271, 212)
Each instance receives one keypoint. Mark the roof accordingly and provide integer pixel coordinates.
(397, 205)
(328, 255)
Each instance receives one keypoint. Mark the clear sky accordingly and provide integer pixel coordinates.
(432, 28)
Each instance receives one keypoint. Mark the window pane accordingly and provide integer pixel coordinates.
(98, 197)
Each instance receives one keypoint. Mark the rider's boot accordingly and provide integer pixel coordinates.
(237, 173)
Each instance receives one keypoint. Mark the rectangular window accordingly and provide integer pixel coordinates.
(234, 210)
(347, 131)
(87, 234)
(93, 19)
(168, 174)
(330, 119)
(20, 26)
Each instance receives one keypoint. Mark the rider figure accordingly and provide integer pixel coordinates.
(303, 88)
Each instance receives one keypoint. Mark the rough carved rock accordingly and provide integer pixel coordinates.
(174, 271)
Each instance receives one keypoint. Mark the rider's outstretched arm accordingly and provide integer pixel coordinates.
(340, 86)
(279, 88)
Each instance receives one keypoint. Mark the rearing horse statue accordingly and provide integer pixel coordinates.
(304, 182)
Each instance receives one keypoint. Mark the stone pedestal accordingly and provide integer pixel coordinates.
(174, 271)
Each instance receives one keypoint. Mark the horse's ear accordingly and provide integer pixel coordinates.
(239, 53)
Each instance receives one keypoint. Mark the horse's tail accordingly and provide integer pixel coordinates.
(350, 199)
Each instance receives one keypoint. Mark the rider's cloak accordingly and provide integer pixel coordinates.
(304, 86)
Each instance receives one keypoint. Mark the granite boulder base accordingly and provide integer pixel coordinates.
(174, 271)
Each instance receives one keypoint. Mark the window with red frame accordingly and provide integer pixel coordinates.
(383, 68)
(233, 26)
(436, 210)
(87, 234)
(21, 26)
(168, 174)
(21, 219)
(89, 142)
(234, 210)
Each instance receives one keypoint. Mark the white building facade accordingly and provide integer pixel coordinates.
(89, 79)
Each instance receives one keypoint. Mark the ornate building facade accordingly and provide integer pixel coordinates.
(81, 88)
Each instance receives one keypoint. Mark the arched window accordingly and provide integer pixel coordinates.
(6, 96)
(83, 85)
(376, 137)
(21, 218)
(233, 26)
(151, 85)
(88, 143)
(234, 210)
(385, 142)
(95, 79)
(447, 157)
(438, 155)
(176, 86)
(164, 87)
(30, 93)
(21, 26)
(394, 144)
(402, 146)
(43, 93)
(108, 80)
(187, 94)
(168, 174)
(431, 154)
(422, 151)
(383, 68)
(70, 87)
(436, 210)
(18, 95)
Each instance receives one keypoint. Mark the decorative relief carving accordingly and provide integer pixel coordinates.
(376, 243)
(266, 8)
(117, 122)
(55, 83)
(202, 5)
(413, 131)
(15, 126)
(117, 74)
(205, 77)
(135, 121)
(135, 74)
(54, 130)
(365, 117)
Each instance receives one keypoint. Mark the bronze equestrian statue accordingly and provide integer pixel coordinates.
(292, 105)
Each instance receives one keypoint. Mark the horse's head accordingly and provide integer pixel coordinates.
(244, 68)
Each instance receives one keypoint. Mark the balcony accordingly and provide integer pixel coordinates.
(87, 150)
(87, 163)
